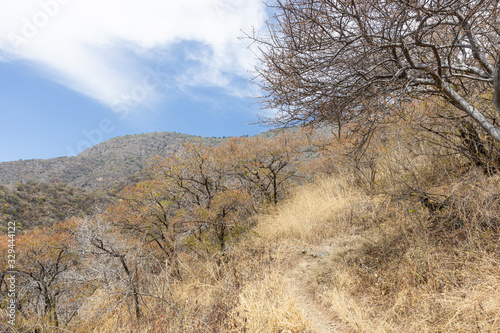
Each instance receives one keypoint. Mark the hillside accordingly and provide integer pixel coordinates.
(43, 204)
(101, 166)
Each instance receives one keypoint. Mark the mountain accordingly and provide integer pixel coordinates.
(102, 166)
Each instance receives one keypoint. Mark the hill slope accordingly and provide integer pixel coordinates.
(43, 204)
(103, 165)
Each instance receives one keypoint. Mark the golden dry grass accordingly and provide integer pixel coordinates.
(268, 305)
(312, 213)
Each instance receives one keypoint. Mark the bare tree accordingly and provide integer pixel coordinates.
(266, 167)
(339, 61)
(47, 267)
(199, 182)
(112, 259)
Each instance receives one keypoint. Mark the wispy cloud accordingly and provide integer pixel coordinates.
(102, 48)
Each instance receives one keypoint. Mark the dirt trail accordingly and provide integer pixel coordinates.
(304, 264)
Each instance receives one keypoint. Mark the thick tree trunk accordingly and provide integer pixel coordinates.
(471, 111)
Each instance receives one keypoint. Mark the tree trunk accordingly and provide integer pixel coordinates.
(471, 111)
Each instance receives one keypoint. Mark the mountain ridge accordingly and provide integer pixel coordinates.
(104, 165)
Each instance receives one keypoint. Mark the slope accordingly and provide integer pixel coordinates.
(101, 166)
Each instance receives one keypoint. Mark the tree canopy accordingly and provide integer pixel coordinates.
(339, 61)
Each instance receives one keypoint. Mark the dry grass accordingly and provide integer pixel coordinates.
(409, 281)
(241, 293)
(267, 305)
(312, 214)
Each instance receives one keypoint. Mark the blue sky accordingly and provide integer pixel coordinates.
(74, 73)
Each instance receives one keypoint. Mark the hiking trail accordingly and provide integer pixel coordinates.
(303, 264)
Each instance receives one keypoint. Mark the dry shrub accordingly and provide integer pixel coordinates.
(472, 209)
(193, 306)
(204, 300)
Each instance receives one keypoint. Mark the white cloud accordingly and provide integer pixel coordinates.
(100, 47)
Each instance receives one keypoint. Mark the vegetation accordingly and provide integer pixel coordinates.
(197, 203)
(34, 204)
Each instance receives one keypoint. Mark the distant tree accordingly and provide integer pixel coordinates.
(146, 211)
(267, 167)
(356, 60)
(199, 182)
